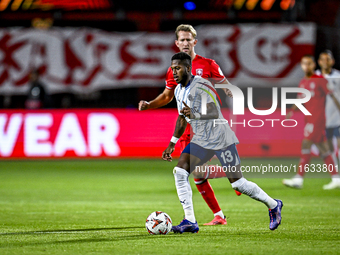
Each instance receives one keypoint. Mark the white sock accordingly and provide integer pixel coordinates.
(189, 215)
(220, 213)
(251, 189)
(184, 193)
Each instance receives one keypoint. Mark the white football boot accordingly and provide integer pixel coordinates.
(295, 182)
(334, 184)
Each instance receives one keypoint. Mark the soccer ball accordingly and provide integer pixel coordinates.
(158, 223)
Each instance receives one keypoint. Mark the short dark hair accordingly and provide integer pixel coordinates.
(308, 56)
(182, 56)
(328, 52)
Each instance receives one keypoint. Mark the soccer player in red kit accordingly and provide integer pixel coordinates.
(314, 131)
(206, 68)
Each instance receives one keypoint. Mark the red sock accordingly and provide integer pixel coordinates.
(216, 172)
(330, 164)
(304, 160)
(208, 195)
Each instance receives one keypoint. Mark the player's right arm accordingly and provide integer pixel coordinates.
(165, 97)
(161, 100)
(181, 124)
(219, 77)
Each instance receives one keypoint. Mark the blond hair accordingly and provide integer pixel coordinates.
(186, 28)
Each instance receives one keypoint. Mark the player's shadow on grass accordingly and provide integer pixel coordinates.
(92, 239)
(60, 231)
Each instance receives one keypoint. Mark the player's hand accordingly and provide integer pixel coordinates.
(186, 111)
(167, 153)
(143, 105)
(228, 92)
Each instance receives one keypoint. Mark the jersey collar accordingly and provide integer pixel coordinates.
(320, 72)
(191, 79)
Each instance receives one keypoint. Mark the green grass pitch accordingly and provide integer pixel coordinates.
(100, 207)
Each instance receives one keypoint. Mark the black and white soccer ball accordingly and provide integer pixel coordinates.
(158, 223)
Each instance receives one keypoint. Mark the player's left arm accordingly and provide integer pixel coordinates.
(181, 124)
(216, 72)
(212, 112)
(227, 91)
(328, 90)
(337, 103)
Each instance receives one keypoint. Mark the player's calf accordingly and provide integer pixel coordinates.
(255, 192)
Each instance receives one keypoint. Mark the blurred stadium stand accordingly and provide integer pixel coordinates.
(158, 16)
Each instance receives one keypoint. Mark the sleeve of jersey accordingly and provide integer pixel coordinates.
(169, 80)
(178, 103)
(179, 111)
(216, 73)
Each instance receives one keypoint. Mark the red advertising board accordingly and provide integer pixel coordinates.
(130, 133)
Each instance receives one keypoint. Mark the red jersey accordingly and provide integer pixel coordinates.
(317, 85)
(204, 67)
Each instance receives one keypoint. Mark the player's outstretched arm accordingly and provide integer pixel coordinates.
(212, 112)
(181, 124)
(161, 100)
(337, 103)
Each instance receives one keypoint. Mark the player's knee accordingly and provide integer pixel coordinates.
(184, 161)
(184, 166)
(306, 144)
(325, 154)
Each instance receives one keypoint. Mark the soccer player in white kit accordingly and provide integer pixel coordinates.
(326, 63)
(197, 105)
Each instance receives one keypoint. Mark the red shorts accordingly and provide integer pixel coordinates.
(314, 132)
(186, 137)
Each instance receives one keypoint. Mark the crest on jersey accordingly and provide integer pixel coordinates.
(190, 97)
(312, 85)
(199, 72)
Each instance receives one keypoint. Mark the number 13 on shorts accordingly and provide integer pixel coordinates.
(228, 156)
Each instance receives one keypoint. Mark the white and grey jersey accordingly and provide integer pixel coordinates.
(210, 134)
(331, 111)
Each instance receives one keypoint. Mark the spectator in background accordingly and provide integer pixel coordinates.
(36, 98)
